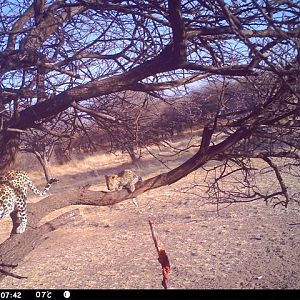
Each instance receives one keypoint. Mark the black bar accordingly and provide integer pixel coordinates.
(75, 294)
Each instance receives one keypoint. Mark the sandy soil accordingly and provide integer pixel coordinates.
(248, 246)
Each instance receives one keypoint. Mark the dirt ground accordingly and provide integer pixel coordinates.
(248, 246)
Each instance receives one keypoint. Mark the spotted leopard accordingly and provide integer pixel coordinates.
(126, 178)
(13, 195)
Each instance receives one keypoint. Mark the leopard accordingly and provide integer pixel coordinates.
(124, 179)
(13, 195)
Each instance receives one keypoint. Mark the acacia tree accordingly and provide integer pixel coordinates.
(42, 145)
(56, 55)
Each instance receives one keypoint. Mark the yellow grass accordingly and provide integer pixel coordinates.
(98, 164)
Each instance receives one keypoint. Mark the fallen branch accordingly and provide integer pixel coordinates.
(8, 273)
(11, 251)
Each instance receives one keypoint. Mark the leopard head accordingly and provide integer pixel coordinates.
(112, 182)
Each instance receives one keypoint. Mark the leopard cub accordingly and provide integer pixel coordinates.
(126, 178)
